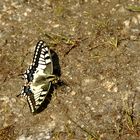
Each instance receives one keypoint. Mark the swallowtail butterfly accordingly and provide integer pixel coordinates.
(38, 77)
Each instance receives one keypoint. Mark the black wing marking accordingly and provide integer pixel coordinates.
(37, 53)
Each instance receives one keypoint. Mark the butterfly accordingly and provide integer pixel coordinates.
(38, 77)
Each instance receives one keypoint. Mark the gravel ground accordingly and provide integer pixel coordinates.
(98, 45)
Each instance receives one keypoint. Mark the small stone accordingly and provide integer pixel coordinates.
(118, 117)
(133, 37)
(108, 85)
(127, 23)
(103, 95)
(138, 16)
(88, 98)
(56, 25)
(138, 89)
(115, 89)
(73, 93)
(48, 2)
(25, 14)
(22, 137)
(82, 126)
(69, 122)
(135, 20)
(48, 137)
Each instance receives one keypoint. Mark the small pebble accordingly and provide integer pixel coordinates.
(88, 98)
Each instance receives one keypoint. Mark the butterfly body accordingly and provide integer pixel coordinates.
(38, 77)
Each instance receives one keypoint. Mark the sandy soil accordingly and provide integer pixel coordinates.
(98, 46)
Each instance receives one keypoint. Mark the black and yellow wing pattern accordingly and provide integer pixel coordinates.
(38, 77)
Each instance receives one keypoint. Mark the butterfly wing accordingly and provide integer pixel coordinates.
(39, 94)
(36, 76)
(38, 61)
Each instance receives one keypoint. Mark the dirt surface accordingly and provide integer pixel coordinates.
(98, 45)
